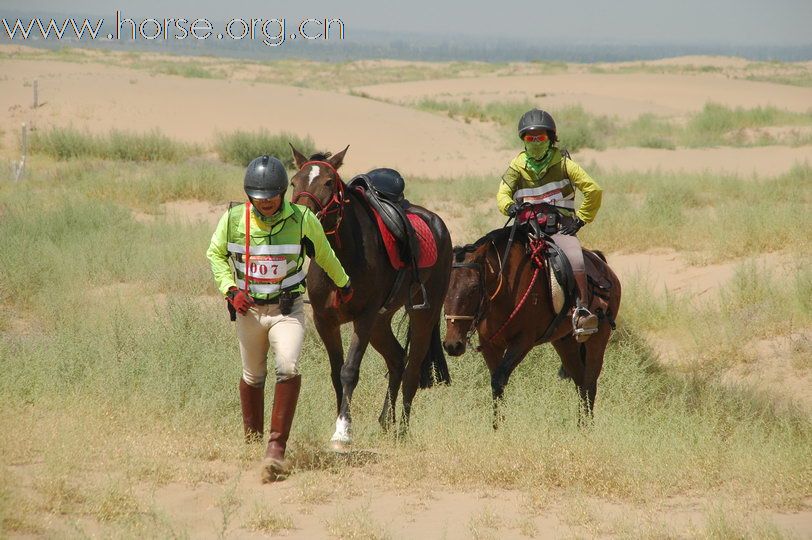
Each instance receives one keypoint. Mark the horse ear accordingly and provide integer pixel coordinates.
(298, 158)
(338, 159)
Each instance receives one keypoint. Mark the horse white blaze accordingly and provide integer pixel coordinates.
(314, 172)
(342, 433)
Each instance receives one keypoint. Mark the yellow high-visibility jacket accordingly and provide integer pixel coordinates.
(276, 251)
(554, 185)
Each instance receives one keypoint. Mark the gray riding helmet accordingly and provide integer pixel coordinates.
(537, 119)
(265, 178)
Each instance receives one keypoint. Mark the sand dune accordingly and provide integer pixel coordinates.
(98, 97)
(760, 160)
(627, 94)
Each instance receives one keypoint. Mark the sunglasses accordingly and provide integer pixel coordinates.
(262, 201)
(536, 138)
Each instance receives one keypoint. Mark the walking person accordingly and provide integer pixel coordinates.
(266, 239)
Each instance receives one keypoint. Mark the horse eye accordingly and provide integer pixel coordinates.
(329, 182)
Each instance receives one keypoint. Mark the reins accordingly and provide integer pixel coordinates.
(536, 248)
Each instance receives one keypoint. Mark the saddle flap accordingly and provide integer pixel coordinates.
(393, 215)
(560, 272)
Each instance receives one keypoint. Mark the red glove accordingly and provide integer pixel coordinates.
(241, 301)
(345, 293)
(342, 295)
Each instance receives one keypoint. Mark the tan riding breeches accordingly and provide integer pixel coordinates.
(264, 326)
(571, 247)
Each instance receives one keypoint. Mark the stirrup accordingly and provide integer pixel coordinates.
(576, 330)
(425, 303)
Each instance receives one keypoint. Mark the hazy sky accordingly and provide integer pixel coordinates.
(779, 22)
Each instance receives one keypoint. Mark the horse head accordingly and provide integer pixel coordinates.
(317, 183)
(466, 299)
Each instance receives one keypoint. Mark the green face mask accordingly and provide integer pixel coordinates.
(536, 150)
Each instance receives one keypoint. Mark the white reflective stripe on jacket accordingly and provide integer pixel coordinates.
(265, 288)
(280, 249)
(550, 193)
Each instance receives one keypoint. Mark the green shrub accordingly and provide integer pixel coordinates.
(240, 147)
(70, 143)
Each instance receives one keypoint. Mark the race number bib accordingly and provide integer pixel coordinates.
(267, 268)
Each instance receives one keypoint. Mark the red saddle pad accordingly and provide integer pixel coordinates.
(428, 247)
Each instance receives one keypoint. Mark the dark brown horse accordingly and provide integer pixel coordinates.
(354, 236)
(482, 299)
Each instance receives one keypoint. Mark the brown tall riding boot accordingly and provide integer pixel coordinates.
(285, 398)
(252, 401)
(584, 322)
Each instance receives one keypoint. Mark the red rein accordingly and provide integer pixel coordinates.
(536, 247)
(333, 206)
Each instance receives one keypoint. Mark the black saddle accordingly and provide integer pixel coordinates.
(391, 205)
(383, 191)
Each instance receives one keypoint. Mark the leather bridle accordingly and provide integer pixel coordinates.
(335, 205)
(484, 298)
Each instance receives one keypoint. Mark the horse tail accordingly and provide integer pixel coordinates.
(434, 367)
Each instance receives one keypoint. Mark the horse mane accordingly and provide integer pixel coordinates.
(460, 251)
(320, 156)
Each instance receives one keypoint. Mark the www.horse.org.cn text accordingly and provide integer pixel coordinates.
(270, 31)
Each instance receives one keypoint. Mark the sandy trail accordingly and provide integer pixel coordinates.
(318, 504)
(667, 270)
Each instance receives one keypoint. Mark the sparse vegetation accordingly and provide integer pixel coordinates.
(182, 69)
(714, 125)
(133, 345)
(356, 524)
(268, 521)
(71, 143)
(240, 147)
(720, 215)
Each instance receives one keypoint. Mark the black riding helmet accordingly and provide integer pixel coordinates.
(537, 119)
(388, 182)
(265, 178)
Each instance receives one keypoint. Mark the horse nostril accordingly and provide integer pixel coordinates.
(455, 348)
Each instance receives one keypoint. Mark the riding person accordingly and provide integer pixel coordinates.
(542, 174)
(267, 293)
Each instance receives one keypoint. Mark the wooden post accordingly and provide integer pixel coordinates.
(19, 168)
(36, 94)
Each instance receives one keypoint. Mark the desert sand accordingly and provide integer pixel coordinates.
(627, 94)
(100, 97)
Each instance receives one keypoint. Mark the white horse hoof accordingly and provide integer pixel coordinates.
(341, 440)
(341, 447)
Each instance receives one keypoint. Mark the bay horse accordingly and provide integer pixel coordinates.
(353, 234)
(512, 312)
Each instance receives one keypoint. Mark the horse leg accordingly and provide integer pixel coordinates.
(350, 371)
(385, 342)
(513, 355)
(493, 358)
(583, 367)
(592, 353)
(421, 326)
(330, 334)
